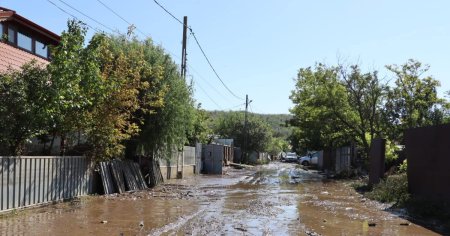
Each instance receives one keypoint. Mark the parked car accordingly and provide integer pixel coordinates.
(310, 159)
(291, 157)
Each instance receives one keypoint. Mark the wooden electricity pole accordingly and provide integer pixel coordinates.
(183, 75)
(247, 102)
(183, 50)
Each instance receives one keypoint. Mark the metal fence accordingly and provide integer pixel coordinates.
(343, 159)
(32, 180)
(177, 158)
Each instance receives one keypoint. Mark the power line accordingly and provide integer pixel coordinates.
(115, 13)
(214, 70)
(201, 49)
(206, 81)
(106, 6)
(73, 8)
(126, 21)
(173, 54)
(239, 105)
(61, 9)
(168, 12)
(207, 95)
(137, 28)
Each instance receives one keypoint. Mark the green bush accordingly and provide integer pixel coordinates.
(393, 189)
(403, 167)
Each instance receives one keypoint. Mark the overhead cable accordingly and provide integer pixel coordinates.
(73, 8)
(61, 9)
(201, 49)
(207, 95)
(206, 81)
(137, 28)
(122, 18)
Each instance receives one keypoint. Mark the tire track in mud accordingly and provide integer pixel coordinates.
(255, 205)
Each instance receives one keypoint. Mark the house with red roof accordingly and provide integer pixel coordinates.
(23, 40)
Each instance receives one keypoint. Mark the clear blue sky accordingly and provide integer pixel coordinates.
(258, 46)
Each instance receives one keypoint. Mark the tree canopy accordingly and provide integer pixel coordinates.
(114, 94)
(231, 125)
(338, 105)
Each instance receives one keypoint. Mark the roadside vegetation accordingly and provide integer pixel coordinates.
(338, 105)
(116, 96)
(267, 132)
(342, 105)
(394, 190)
(113, 97)
(261, 137)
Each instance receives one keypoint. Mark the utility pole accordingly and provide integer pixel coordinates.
(247, 102)
(183, 50)
(183, 75)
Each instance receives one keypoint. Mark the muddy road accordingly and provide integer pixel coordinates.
(274, 199)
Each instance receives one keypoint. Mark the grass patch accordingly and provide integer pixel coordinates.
(361, 186)
(394, 189)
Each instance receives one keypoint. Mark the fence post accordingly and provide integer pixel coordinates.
(377, 156)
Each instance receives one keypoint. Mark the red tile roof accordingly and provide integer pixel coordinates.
(15, 58)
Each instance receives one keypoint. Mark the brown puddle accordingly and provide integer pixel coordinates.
(278, 199)
(98, 216)
(335, 209)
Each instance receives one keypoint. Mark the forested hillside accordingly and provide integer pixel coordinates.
(276, 121)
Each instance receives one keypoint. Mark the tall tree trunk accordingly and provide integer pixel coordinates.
(62, 145)
(52, 142)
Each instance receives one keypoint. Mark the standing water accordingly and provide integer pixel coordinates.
(275, 199)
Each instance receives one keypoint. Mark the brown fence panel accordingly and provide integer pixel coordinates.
(428, 155)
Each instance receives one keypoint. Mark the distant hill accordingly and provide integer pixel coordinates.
(276, 121)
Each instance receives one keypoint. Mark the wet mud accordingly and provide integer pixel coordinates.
(275, 199)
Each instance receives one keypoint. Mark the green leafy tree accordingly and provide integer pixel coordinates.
(75, 82)
(335, 106)
(320, 107)
(413, 102)
(365, 98)
(168, 119)
(277, 145)
(201, 131)
(232, 126)
(112, 119)
(25, 106)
